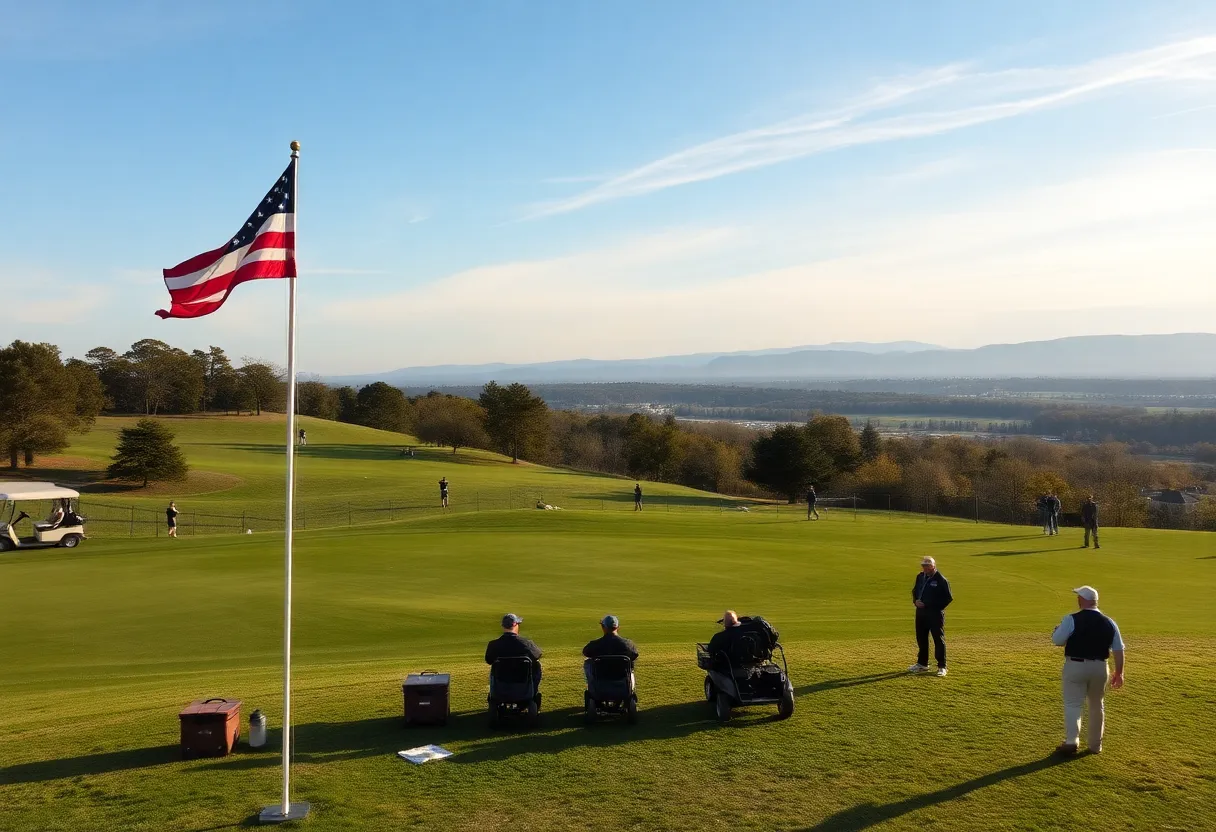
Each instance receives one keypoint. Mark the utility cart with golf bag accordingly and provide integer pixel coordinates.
(746, 674)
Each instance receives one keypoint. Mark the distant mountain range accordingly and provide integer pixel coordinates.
(1187, 355)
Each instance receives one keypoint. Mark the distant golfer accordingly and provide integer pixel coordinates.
(811, 499)
(303, 437)
(443, 491)
(637, 497)
(1053, 512)
(1088, 638)
(171, 518)
(1043, 504)
(1089, 519)
(930, 595)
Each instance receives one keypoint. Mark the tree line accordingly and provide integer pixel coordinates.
(44, 398)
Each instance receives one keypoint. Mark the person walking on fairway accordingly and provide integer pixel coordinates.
(811, 498)
(930, 595)
(171, 518)
(1053, 512)
(443, 492)
(1089, 519)
(637, 497)
(1088, 638)
(303, 437)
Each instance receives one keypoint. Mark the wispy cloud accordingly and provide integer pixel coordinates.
(1091, 241)
(1186, 111)
(930, 103)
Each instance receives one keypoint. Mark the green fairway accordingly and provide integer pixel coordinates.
(348, 475)
(104, 644)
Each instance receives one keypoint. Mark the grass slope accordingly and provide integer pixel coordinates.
(348, 474)
(102, 645)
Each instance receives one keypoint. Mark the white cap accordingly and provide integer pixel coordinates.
(1088, 593)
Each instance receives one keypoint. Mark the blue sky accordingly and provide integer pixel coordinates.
(534, 181)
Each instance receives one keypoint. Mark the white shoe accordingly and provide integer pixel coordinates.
(918, 668)
(941, 671)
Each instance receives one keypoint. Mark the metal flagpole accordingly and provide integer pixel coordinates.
(287, 810)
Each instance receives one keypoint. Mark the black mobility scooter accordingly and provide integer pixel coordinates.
(610, 689)
(745, 674)
(513, 692)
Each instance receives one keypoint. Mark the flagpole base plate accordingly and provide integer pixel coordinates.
(274, 814)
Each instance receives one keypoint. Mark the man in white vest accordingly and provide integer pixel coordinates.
(1088, 638)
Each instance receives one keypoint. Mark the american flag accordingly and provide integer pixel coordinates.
(264, 247)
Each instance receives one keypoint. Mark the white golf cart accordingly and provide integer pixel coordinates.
(63, 527)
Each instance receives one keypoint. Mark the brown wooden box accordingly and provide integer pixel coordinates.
(210, 727)
(426, 698)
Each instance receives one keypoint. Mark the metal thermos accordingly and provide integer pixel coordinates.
(257, 729)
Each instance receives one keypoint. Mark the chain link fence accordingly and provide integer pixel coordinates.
(113, 520)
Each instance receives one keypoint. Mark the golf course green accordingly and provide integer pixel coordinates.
(101, 646)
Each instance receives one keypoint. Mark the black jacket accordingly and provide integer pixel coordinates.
(1089, 513)
(509, 645)
(933, 590)
(611, 644)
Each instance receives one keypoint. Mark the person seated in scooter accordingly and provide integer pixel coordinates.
(611, 643)
(511, 645)
(724, 640)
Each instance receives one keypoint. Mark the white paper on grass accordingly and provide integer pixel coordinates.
(424, 753)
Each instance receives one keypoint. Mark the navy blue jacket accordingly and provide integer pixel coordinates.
(936, 594)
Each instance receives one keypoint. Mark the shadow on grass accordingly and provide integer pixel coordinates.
(365, 452)
(317, 742)
(1027, 536)
(658, 502)
(1004, 553)
(559, 730)
(865, 815)
(91, 764)
(854, 681)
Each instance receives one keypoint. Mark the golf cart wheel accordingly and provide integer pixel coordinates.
(722, 707)
(70, 541)
(588, 707)
(533, 712)
(5, 544)
(709, 689)
(631, 710)
(785, 708)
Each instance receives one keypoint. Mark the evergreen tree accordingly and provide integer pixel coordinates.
(870, 442)
(787, 461)
(146, 452)
(517, 421)
(41, 400)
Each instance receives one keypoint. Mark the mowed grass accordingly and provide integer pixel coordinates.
(103, 645)
(237, 467)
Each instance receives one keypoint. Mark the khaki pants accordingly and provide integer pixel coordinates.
(1082, 681)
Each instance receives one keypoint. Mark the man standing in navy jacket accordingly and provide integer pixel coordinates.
(930, 595)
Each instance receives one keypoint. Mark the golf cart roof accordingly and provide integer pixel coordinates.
(34, 491)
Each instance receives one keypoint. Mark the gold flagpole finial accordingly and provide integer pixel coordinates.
(295, 146)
